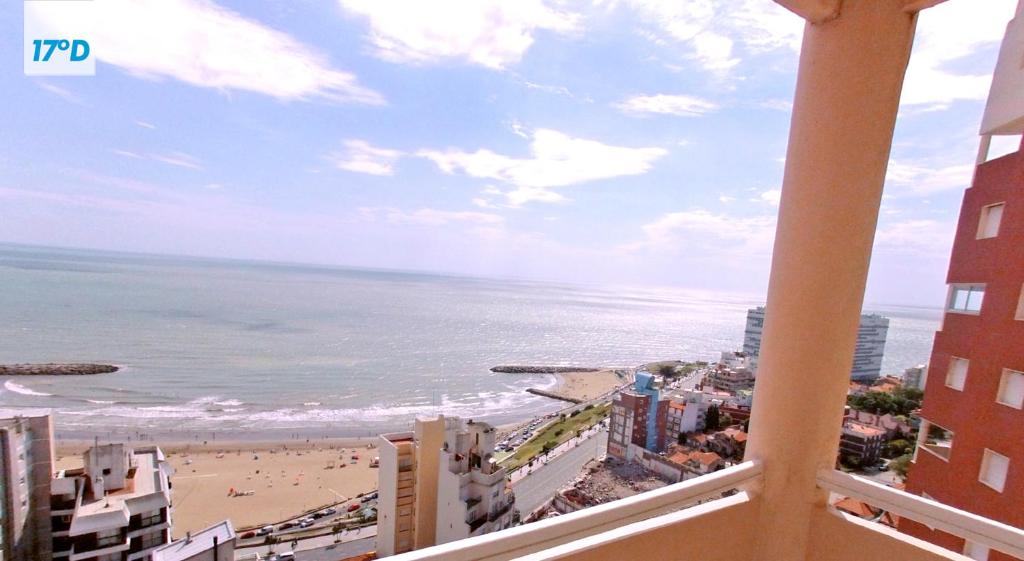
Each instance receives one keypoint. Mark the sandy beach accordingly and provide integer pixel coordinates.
(288, 478)
(585, 386)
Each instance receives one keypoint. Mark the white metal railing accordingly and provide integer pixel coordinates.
(522, 540)
(958, 522)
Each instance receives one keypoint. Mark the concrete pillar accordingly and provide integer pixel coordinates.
(847, 94)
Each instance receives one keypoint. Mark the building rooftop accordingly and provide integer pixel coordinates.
(196, 543)
(145, 490)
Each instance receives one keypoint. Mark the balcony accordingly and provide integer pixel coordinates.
(673, 523)
(775, 506)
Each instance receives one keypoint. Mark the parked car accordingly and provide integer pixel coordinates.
(317, 515)
(266, 530)
(286, 525)
(353, 507)
(331, 511)
(305, 522)
(248, 535)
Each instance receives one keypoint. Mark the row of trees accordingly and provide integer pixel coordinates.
(901, 401)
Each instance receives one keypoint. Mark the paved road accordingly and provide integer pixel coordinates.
(320, 547)
(536, 488)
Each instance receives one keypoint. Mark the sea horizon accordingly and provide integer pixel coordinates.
(241, 347)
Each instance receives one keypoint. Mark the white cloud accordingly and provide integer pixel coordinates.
(489, 33)
(60, 92)
(945, 34)
(706, 236)
(771, 196)
(711, 30)
(430, 216)
(556, 160)
(145, 124)
(179, 159)
(923, 179)
(206, 45)
(726, 199)
(916, 237)
(362, 157)
(665, 104)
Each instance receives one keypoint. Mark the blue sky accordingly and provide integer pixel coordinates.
(628, 142)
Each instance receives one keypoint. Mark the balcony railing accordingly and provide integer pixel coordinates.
(673, 523)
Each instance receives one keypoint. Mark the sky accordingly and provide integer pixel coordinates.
(634, 142)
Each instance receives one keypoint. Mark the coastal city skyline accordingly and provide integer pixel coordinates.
(496, 280)
(497, 134)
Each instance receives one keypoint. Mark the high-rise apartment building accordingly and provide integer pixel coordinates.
(970, 451)
(26, 467)
(439, 484)
(867, 357)
(639, 417)
(115, 508)
(915, 376)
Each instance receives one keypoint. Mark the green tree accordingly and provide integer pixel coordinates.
(711, 419)
(901, 465)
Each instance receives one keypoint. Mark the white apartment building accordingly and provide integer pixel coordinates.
(216, 543)
(26, 466)
(115, 508)
(734, 372)
(915, 376)
(867, 358)
(439, 484)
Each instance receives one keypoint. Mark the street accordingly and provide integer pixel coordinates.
(535, 489)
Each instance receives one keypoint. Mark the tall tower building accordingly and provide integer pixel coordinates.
(440, 484)
(970, 452)
(867, 357)
(26, 467)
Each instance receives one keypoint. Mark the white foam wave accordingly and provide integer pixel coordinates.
(200, 412)
(18, 388)
(100, 402)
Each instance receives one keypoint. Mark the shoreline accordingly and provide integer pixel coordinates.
(291, 471)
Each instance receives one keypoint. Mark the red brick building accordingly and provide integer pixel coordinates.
(970, 452)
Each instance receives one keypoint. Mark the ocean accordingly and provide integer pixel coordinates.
(239, 348)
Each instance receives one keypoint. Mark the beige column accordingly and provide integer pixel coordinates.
(848, 87)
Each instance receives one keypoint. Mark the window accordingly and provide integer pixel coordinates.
(934, 439)
(150, 518)
(993, 470)
(108, 537)
(957, 375)
(975, 551)
(1011, 389)
(154, 539)
(966, 298)
(988, 225)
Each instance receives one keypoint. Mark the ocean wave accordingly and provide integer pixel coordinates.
(101, 402)
(18, 388)
(202, 412)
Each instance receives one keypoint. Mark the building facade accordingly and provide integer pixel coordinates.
(439, 484)
(867, 357)
(970, 451)
(639, 417)
(915, 376)
(26, 467)
(861, 442)
(115, 508)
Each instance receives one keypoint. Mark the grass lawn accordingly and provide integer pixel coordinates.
(556, 433)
